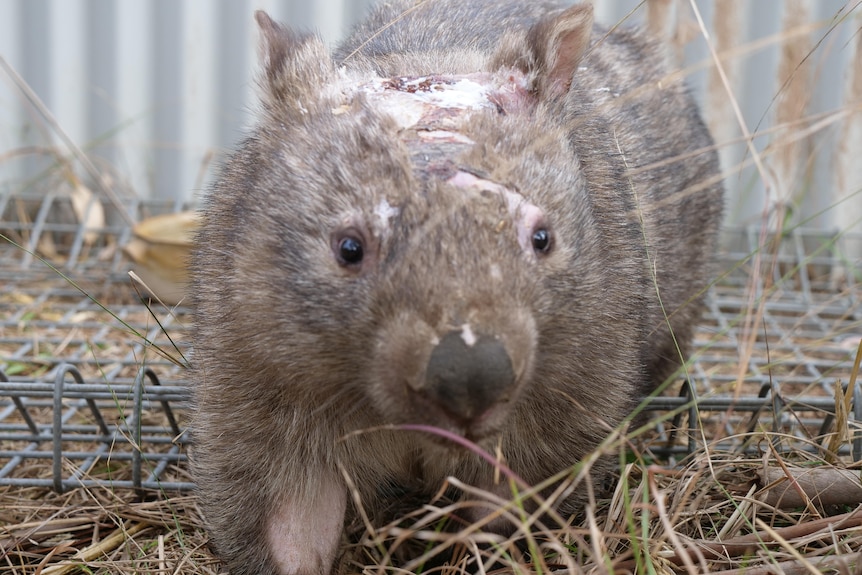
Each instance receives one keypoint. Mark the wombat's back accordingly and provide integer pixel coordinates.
(449, 26)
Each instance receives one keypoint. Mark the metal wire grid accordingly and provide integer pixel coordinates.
(100, 394)
(96, 394)
(72, 467)
(793, 321)
(89, 397)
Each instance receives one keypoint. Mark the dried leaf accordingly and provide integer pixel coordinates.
(88, 210)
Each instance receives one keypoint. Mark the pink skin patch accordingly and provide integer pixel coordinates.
(527, 216)
(440, 100)
(303, 536)
(444, 136)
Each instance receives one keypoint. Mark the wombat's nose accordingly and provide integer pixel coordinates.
(467, 374)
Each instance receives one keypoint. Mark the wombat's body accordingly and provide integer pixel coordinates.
(466, 226)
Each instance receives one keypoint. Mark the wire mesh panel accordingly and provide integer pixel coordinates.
(82, 388)
(775, 350)
(93, 428)
(94, 381)
(92, 378)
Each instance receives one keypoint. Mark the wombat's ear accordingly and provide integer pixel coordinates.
(559, 43)
(551, 50)
(294, 66)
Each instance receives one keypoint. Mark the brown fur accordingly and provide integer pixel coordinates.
(294, 351)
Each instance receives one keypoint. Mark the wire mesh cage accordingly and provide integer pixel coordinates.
(93, 372)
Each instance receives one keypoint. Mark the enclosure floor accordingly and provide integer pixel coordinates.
(94, 394)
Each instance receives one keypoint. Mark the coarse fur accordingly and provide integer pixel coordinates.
(297, 350)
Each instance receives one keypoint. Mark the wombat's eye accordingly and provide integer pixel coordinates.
(349, 251)
(353, 247)
(541, 239)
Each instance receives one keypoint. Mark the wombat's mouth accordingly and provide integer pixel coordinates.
(476, 429)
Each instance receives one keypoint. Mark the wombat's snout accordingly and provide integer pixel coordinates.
(467, 374)
(466, 379)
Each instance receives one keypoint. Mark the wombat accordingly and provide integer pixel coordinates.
(485, 217)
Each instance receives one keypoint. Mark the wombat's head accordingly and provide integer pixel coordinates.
(417, 249)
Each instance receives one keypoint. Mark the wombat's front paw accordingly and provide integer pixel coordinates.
(303, 536)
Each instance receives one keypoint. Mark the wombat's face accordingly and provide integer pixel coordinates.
(405, 238)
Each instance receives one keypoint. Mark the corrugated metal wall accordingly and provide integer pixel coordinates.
(154, 91)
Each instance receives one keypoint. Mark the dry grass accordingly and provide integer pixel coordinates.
(711, 515)
(100, 531)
